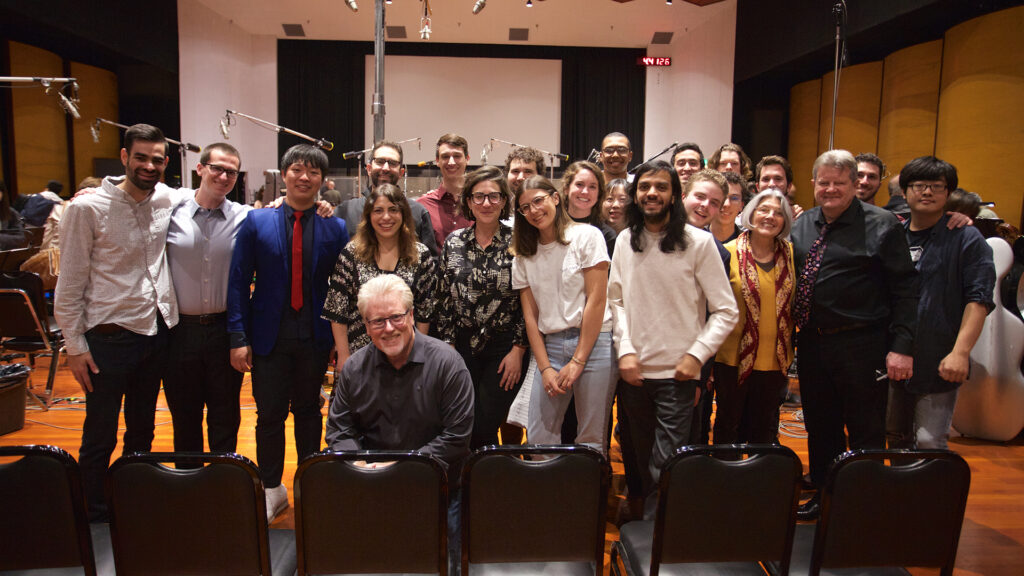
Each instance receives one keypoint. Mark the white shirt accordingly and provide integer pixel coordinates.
(114, 266)
(555, 277)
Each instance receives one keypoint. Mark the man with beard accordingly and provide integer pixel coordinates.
(870, 171)
(616, 154)
(115, 303)
(385, 167)
(522, 162)
(664, 331)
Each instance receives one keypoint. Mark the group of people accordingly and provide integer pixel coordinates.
(655, 289)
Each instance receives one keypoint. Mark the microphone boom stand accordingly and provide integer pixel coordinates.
(183, 147)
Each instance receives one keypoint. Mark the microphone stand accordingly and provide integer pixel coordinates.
(318, 142)
(667, 148)
(183, 147)
(360, 154)
(839, 13)
(552, 156)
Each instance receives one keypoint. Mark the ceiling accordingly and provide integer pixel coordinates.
(605, 23)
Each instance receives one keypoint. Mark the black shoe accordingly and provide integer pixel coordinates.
(810, 510)
(806, 484)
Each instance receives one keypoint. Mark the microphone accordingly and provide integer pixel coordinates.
(479, 6)
(192, 147)
(224, 128)
(427, 163)
(483, 156)
(838, 11)
(352, 5)
(68, 106)
(95, 130)
(325, 144)
(350, 155)
(562, 157)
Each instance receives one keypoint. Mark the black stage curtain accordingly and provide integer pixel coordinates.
(320, 90)
(320, 93)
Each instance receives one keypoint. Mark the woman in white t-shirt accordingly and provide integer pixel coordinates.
(561, 272)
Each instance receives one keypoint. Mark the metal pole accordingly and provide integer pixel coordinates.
(378, 86)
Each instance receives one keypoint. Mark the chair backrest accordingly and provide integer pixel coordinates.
(905, 514)
(351, 519)
(32, 285)
(727, 503)
(10, 260)
(208, 520)
(41, 496)
(549, 509)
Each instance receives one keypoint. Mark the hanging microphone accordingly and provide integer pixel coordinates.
(325, 144)
(479, 6)
(483, 156)
(68, 106)
(95, 130)
(352, 4)
(224, 129)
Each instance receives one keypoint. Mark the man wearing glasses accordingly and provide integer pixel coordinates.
(385, 166)
(405, 391)
(616, 154)
(199, 244)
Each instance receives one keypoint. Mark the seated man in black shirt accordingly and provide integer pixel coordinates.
(405, 391)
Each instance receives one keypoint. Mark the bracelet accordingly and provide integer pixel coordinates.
(548, 367)
(577, 361)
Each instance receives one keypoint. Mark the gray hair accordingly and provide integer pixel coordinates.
(836, 159)
(751, 207)
(381, 286)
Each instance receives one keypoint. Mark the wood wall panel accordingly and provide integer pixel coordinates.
(910, 106)
(98, 94)
(860, 92)
(980, 123)
(804, 110)
(40, 133)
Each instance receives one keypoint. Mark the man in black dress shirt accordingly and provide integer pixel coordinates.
(857, 317)
(405, 391)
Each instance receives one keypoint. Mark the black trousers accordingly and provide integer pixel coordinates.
(842, 392)
(199, 374)
(490, 401)
(131, 366)
(289, 377)
(660, 416)
(752, 406)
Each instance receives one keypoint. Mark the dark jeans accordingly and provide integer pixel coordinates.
(130, 368)
(491, 401)
(840, 388)
(290, 376)
(752, 406)
(660, 415)
(199, 374)
(630, 463)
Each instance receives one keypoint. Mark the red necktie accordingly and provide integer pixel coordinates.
(297, 262)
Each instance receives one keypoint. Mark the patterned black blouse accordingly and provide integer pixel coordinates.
(475, 289)
(350, 274)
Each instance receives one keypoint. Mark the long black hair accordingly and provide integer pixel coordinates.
(675, 230)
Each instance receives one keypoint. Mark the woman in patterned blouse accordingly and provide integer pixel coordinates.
(479, 312)
(384, 243)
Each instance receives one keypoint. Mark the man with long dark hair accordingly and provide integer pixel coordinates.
(672, 308)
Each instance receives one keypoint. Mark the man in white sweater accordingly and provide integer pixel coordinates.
(672, 308)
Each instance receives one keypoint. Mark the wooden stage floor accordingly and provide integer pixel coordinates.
(991, 543)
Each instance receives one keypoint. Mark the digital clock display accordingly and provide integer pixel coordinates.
(653, 61)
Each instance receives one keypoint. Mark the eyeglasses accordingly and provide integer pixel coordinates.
(218, 170)
(382, 162)
(534, 204)
(492, 197)
(613, 150)
(396, 320)
(920, 187)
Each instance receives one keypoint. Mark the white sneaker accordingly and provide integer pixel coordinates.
(277, 501)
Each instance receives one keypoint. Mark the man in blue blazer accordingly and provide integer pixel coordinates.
(277, 332)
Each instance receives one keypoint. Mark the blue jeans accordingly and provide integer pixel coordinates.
(919, 420)
(131, 366)
(593, 392)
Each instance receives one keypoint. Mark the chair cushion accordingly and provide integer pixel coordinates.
(533, 568)
(800, 561)
(283, 561)
(635, 548)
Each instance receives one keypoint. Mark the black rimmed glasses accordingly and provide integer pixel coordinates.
(219, 170)
(492, 197)
(396, 320)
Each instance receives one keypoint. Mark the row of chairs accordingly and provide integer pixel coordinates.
(27, 328)
(524, 510)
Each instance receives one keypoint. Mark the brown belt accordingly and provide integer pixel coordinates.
(203, 319)
(105, 329)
